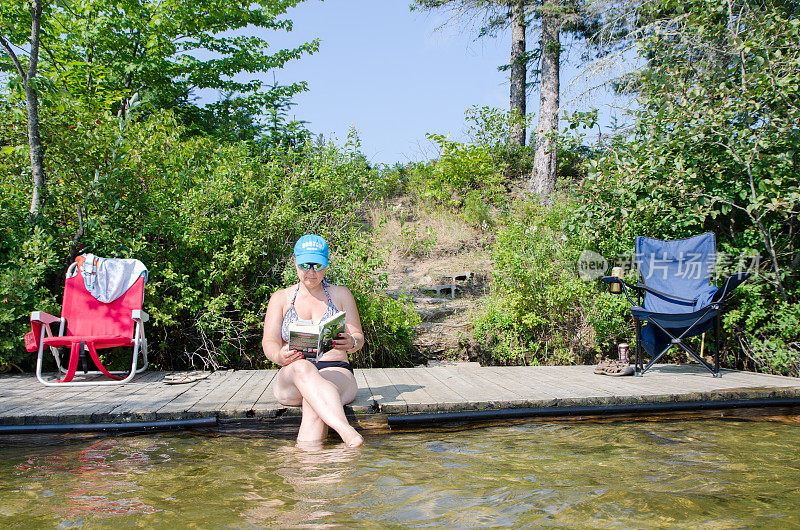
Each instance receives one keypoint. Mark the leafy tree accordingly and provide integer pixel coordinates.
(728, 78)
(281, 131)
(716, 147)
(558, 17)
(543, 176)
(492, 16)
(215, 222)
(158, 54)
(29, 81)
(555, 17)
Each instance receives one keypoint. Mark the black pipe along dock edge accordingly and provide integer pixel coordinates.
(416, 420)
(142, 426)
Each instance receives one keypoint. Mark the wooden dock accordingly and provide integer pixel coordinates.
(448, 391)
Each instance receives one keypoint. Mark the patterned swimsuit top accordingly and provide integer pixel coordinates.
(291, 314)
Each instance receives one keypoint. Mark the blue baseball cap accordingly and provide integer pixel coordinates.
(311, 249)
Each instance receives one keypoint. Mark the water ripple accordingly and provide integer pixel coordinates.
(692, 473)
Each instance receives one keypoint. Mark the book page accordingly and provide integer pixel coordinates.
(304, 341)
(330, 329)
(312, 341)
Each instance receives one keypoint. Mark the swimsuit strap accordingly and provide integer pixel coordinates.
(325, 287)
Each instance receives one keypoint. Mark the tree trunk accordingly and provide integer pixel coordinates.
(32, 98)
(519, 70)
(543, 178)
(37, 152)
(122, 113)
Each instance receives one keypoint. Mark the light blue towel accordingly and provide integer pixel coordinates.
(110, 278)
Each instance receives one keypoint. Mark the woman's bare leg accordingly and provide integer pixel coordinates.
(312, 428)
(300, 382)
(345, 382)
(285, 391)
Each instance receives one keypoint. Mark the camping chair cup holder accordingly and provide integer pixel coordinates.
(675, 299)
(86, 325)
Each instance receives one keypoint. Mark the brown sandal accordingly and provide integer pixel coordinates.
(600, 369)
(617, 369)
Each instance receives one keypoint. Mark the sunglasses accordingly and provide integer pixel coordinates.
(309, 266)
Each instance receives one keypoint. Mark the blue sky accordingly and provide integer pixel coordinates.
(394, 75)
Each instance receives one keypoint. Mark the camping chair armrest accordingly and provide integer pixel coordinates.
(669, 296)
(731, 283)
(625, 286)
(140, 315)
(44, 318)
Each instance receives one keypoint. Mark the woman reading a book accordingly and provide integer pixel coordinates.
(321, 386)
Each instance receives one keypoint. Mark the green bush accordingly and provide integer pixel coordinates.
(388, 323)
(539, 310)
(766, 333)
(459, 169)
(715, 147)
(23, 280)
(475, 175)
(214, 222)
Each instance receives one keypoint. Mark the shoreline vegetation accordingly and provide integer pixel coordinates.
(212, 199)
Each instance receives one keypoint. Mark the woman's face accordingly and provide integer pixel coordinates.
(310, 278)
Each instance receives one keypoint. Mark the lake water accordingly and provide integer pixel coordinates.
(690, 472)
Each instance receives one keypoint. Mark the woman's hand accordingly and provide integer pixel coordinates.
(287, 356)
(344, 342)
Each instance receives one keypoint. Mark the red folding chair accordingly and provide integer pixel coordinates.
(87, 325)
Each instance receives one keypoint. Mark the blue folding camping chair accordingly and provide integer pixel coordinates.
(679, 299)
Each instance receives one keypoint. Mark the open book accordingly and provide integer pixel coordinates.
(313, 340)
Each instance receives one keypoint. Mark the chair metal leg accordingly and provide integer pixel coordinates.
(676, 341)
(82, 354)
(696, 357)
(139, 346)
(655, 359)
(142, 343)
(637, 365)
(717, 331)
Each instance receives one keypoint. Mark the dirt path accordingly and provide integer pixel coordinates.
(443, 264)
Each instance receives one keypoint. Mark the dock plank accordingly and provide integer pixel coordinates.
(432, 393)
(415, 396)
(384, 392)
(143, 405)
(531, 386)
(517, 392)
(481, 396)
(491, 382)
(233, 395)
(215, 399)
(267, 406)
(248, 395)
(664, 386)
(68, 403)
(600, 388)
(178, 407)
(578, 381)
(363, 402)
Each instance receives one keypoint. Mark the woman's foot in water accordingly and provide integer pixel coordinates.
(353, 440)
(309, 445)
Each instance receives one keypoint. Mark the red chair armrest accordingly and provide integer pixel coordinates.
(39, 320)
(44, 318)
